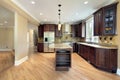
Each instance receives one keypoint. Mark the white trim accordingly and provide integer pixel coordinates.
(118, 71)
(5, 49)
(18, 62)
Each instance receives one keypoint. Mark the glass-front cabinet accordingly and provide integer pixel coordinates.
(110, 20)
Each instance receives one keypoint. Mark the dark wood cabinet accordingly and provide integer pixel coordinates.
(73, 30)
(92, 56)
(109, 19)
(98, 22)
(58, 33)
(76, 30)
(40, 30)
(105, 20)
(104, 59)
(79, 30)
(49, 27)
(63, 59)
(40, 47)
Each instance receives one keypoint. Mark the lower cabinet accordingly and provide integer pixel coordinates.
(104, 59)
(40, 47)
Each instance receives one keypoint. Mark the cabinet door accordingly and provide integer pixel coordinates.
(40, 47)
(113, 60)
(73, 30)
(46, 27)
(110, 19)
(58, 33)
(92, 56)
(51, 27)
(102, 58)
(98, 22)
(40, 30)
(79, 30)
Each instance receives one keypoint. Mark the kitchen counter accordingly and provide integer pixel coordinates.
(60, 46)
(98, 45)
(63, 56)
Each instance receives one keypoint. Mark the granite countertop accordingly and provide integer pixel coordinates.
(105, 46)
(59, 46)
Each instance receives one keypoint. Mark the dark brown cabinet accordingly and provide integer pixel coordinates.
(58, 33)
(63, 59)
(49, 27)
(109, 19)
(105, 20)
(40, 47)
(104, 59)
(98, 22)
(40, 30)
(76, 30)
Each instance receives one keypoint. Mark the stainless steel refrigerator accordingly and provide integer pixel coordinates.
(49, 38)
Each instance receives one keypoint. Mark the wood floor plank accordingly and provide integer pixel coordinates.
(41, 66)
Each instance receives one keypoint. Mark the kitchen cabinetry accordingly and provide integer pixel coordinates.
(104, 59)
(63, 59)
(83, 51)
(40, 30)
(76, 30)
(58, 33)
(40, 47)
(110, 19)
(105, 20)
(49, 27)
(98, 22)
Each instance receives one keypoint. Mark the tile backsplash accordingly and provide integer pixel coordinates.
(107, 40)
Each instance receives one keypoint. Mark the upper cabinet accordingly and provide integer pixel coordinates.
(105, 20)
(98, 22)
(58, 33)
(40, 30)
(110, 19)
(78, 30)
(49, 27)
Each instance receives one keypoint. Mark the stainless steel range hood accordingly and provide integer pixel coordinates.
(67, 29)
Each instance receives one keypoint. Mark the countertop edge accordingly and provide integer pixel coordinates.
(98, 46)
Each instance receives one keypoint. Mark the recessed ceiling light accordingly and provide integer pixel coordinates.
(5, 22)
(41, 13)
(32, 2)
(86, 2)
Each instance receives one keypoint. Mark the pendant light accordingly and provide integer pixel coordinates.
(59, 14)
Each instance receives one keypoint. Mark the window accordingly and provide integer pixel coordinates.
(90, 31)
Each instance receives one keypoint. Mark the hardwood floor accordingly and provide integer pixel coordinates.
(41, 66)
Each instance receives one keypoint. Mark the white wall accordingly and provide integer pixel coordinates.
(6, 38)
(21, 44)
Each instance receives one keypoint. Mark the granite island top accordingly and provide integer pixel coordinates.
(59, 46)
(99, 45)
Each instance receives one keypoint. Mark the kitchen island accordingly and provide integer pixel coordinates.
(63, 56)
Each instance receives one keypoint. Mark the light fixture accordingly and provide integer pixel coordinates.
(32, 2)
(86, 2)
(41, 13)
(5, 22)
(59, 23)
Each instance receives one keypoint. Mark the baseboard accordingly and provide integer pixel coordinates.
(118, 71)
(21, 61)
(5, 49)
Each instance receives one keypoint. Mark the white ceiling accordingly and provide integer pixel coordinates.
(6, 18)
(71, 10)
